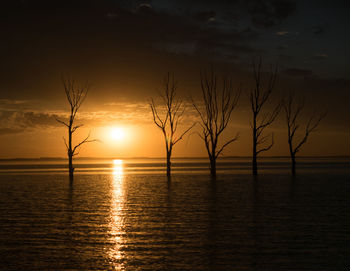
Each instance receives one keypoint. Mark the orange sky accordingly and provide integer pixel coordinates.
(29, 129)
(143, 139)
(124, 49)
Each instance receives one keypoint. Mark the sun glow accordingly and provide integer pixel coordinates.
(117, 133)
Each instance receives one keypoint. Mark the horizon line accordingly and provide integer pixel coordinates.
(176, 157)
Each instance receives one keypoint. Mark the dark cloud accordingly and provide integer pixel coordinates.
(81, 34)
(282, 33)
(118, 37)
(297, 72)
(8, 131)
(268, 13)
(145, 9)
(16, 121)
(319, 30)
(319, 57)
(227, 43)
(285, 58)
(7, 103)
(281, 47)
(39, 31)
(341, 84)
(205, 16)
(262, 13)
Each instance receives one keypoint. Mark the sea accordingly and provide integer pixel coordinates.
(125, 214)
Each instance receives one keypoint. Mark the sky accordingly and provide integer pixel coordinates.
(124, 49)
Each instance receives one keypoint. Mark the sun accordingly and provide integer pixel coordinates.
(117, 133)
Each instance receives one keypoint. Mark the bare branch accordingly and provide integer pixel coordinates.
(62, 122)
(169, 124)
(219, 102)
(199, 135)
(204, 121)
(85, 140)
(310, 127)
(156, 119)
(292, 113)
(65, 143)
(268, 147)
(263, 139)
(227, 143)
(269, 119)
(183, 134)
(258, 98)
(77, 127)
(75, 95)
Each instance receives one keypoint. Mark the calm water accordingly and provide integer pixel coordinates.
(125, 215)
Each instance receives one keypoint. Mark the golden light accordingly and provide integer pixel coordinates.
(117, 133)
(117, 231)
(117, 162)
(118, 171)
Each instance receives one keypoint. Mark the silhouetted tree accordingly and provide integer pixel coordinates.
(258, 98)
(218, 103)
(75, 95)
(169, 122)
(293, 112)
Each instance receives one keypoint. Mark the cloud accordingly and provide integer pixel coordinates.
(268, 13)
(205, 16)
(284, 58)
(20, 120)
(199, 35)
(224, 44)
(144, 6)
(93, 33)
(282, 33)
(320, 56)
(8, 131)
(16, 121)
(281, 47)
(262, 13)
(319, 30)
(145, 9)
(295, 72)
(10, 103)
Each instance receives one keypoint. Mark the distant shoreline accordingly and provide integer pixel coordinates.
(130, 158)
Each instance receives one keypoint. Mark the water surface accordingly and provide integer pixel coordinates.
(123, 219)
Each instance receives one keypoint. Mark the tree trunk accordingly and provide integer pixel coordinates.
(70, 167)
(255, 164)
(292, 153)
(70, 154)
(213, 166)
(254, 160)
(293, 164)
(168, 163)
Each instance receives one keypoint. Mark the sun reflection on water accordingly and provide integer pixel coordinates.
(116, 215)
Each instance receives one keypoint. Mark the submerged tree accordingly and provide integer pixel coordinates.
(258, 98)
(170, 121)
(218, 103)
(293, 112)
(75, 95)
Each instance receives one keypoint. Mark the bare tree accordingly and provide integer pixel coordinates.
(293, 112)
(170, 121)
(258, 98)
(75, 95)
(214, 118)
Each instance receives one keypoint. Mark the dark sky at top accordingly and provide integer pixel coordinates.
(306, 37)
(124, 48)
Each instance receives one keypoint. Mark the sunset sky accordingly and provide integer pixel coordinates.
(124, 49)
